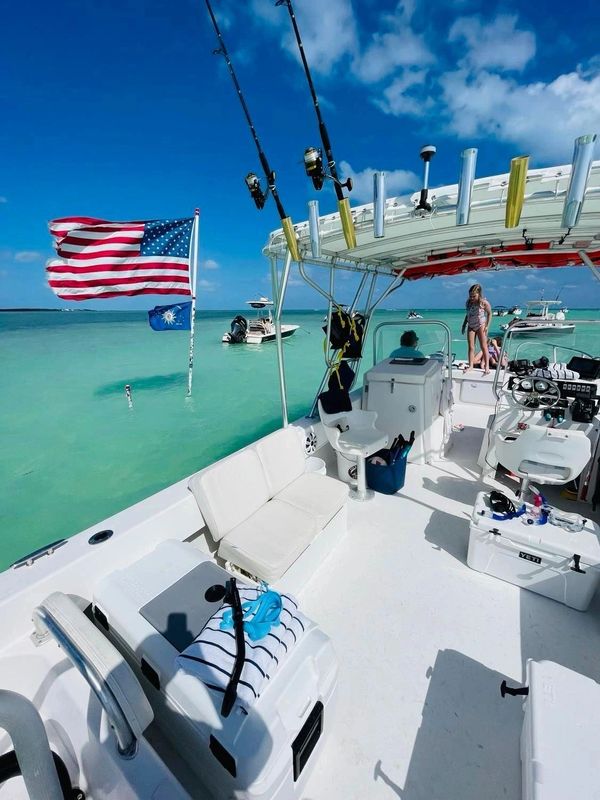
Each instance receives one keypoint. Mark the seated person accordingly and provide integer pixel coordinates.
(408, 346)
(494, 347)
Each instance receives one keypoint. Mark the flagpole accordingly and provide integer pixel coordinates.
(193, 287)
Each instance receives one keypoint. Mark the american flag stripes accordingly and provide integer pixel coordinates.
(99, 259)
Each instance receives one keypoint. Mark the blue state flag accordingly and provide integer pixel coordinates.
(177, 317)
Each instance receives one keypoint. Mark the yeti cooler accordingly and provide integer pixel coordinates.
(546, 559)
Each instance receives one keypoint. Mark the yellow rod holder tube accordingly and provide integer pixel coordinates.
(290, 237)
(516, 191)
(347, 223)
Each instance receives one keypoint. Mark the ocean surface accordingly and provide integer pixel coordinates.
(73, 452)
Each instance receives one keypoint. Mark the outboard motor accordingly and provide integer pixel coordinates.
(239, 329)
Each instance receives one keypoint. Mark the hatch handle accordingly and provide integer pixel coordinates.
(514, 692)
(577, 568)
(495, 531)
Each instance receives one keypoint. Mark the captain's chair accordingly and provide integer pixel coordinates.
(543, 455)
(353, 435)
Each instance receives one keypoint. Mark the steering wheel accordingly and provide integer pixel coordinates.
(530, 392)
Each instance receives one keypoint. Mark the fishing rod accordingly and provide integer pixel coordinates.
(313, 156)
(258, 194)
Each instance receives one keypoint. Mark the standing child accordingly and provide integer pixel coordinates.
(476, 322)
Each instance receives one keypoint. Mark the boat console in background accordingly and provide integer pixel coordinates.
(565, 406)
(411, 394)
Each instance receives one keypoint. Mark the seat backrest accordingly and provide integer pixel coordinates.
(230, 491)
(537, 450)
(330, 423)
(105, 660)
(282, 457)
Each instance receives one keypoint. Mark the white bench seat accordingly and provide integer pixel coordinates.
(267, 543)
(316, 494)
(272, 519)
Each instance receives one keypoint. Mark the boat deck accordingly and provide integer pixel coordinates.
(424, 643)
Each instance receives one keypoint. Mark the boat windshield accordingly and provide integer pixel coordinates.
(556, 345)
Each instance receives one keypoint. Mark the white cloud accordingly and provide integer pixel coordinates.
(390, 50)
(27, 256)
(209, 263)
(328, 30)
(206, 286)
(495, 44)
(397, 182)
(488, 104)
(397, 100)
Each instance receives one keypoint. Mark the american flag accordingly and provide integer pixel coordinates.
(100, 259)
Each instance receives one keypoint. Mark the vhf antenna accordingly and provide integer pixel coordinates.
(313, 156)
(258, 194)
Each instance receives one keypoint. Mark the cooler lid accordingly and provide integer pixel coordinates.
(405, 372)
(564, 709)
(549, 538)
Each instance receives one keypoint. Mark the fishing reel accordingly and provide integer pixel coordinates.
(256, 192)
(313, 164)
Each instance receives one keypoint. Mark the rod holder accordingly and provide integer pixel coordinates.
(379, 205)
(313, 227)
(347, 223)
(516, 191)
(468, 162)
(290, 238)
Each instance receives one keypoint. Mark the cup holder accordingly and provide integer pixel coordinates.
(100, 537)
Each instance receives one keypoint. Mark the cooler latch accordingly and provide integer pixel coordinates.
(577, 568)
(495, 531)
(504, 690)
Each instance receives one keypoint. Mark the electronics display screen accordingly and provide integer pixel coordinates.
(588, 368)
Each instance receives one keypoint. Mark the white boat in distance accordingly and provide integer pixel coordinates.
(539, 312)
(500, 311)
(258, 330)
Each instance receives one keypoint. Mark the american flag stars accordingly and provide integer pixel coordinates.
(167, 238)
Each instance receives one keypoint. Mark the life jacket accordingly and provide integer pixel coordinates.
(346, 332)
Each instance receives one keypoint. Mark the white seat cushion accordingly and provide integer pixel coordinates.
(362, 441)
(230, 491)
(269, 541)
(282, 457)
(318, 495)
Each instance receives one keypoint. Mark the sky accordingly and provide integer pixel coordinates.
(119, 109)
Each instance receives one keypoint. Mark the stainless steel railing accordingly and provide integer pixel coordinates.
(46, 623)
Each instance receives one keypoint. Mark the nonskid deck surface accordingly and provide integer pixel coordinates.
(424, 643)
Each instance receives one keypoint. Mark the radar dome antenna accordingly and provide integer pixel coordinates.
(427, 152)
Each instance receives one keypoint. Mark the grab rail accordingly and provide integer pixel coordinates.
(410, 323)
(45, 623)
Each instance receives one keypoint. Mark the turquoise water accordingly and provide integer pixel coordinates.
(73, 452)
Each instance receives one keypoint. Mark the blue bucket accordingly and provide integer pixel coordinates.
(387, 478)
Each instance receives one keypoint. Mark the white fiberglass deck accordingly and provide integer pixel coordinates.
(424, 643)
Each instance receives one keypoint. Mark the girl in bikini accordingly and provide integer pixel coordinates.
(476, 323)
